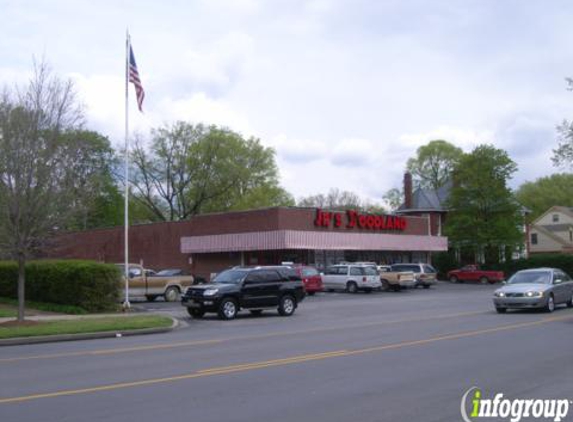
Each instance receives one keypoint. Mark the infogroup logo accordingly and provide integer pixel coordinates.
(513, 409)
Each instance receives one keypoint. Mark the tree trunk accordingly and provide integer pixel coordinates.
(21, 286)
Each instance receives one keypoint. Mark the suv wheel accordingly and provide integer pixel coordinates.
(570, 302)
(227, 309)
(351, 287)
(196, 313)
(287, 305)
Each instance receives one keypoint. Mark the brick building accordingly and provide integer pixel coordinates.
(209, 243)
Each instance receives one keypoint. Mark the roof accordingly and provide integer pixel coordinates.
(429, 199)
(556, 208)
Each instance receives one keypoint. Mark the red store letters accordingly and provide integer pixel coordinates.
(357, 220)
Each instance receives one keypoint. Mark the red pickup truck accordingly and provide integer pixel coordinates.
(474, 273)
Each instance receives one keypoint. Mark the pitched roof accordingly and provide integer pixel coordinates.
(555, 208)
(429, 199)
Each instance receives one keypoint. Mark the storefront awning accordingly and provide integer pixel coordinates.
(312, 240)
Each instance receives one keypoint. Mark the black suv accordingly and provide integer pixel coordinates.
(252, 288)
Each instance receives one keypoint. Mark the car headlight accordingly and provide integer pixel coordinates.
(534, 294)
(210, 292)
(499, 294)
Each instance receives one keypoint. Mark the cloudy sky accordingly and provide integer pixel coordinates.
(344, 90)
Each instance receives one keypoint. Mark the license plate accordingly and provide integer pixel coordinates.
(194, 305)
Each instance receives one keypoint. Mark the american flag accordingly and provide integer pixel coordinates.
(134, 78)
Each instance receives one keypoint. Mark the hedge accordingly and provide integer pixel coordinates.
(561, 261)
(92, 286)
(445, 261)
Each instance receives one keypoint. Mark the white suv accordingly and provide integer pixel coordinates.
(351, 278)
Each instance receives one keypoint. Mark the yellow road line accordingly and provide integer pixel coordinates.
(279, 362)
(113, 351)
(103, 352)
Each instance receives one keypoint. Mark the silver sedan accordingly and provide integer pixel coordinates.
(536, 288)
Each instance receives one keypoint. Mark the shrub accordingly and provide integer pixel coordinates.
(562, 261)
(444, 262)
(86, 284)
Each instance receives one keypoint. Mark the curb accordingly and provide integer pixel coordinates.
(17, 341)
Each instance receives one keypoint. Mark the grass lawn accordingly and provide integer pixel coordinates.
(82, 325)
(7, 313)
(40, 306)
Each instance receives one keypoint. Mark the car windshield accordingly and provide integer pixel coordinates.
(168, 273)
(230, 276)
(531, 277)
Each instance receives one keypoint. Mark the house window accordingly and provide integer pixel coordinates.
(556, 218)
(534, 238)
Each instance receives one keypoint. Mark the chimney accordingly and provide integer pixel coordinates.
(407, 190)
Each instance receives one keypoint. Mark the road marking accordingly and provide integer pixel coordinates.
(104, 352)
(113, 351)
(279, 362)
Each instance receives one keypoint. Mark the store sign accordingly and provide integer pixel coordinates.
(354, 220)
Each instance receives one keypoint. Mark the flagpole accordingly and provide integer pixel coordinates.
(126, 304)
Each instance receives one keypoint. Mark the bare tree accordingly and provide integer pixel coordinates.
(336, 199)
(41, 170)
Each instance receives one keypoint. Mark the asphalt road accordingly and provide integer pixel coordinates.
(406, 356)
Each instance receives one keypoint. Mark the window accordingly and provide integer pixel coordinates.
(356, 271)
(534, 238)
(271, 276)
(556, 218)
(337, 270)
(309, 272)
(429, 269)
(255, 277)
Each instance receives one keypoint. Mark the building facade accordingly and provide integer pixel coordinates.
(552, 232)
(208, 243)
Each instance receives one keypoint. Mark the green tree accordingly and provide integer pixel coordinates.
(43, 168)
(191, 169)
(99, 203)
(563, 154)
(394, 198)
(484, 216)
(545, 192)
(433, 164)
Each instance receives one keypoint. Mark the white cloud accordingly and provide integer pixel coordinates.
(466, 139)
(344, 91)
(201, 109)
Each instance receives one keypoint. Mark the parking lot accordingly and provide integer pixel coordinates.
(383, 356)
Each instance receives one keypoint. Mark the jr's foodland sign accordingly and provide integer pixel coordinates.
(354, 220)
